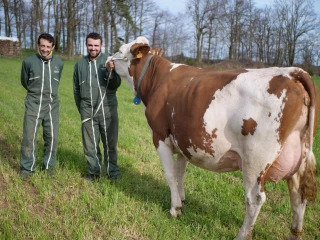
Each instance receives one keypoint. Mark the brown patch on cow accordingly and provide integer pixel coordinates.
(293, 101)
(214, 135)
(269, 115)
(249, 126)
(198, 97)
(261, 178)
(312, 91)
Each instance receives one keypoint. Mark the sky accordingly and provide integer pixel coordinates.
(175, 6)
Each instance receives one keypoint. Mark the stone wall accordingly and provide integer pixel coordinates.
(8, 47)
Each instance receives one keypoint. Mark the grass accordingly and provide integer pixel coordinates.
(135, 207)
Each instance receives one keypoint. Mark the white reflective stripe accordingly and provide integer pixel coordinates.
(56, 79)
(94, 136)
(51, 124)
(101, 98)
(50, 83)
(85, 120)
(37, 120)
(34, 78)
(103, 114)
(50, 114)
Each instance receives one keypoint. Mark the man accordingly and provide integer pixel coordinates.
(40, 76)
(95, 86)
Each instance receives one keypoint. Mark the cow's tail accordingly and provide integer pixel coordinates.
(308, 181)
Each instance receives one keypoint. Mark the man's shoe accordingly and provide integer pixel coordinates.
(24, 174)
(92, 177)
(113, 178)
(50, 172)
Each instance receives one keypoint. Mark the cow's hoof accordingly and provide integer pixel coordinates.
(294, 237)
(175, 212)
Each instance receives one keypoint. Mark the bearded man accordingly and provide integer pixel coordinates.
(95, 85)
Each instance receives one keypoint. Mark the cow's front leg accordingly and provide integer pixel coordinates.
(181, 166)
(166, 157)
(254, 200)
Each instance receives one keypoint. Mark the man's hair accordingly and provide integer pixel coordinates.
(94, 36)
(46, 36)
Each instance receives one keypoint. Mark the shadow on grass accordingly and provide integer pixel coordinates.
(145, 188)
(10, 153)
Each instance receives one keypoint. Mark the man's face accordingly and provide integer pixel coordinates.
(93, 47)
(45, 47)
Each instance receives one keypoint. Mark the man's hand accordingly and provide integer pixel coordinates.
(110, 66)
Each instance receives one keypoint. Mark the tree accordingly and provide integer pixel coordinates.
(199, 11)
(298, 18)
(7, 18)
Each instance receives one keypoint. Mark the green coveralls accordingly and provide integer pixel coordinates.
(95, 97)
(41, 79)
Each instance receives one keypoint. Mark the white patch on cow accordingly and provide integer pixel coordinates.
(175, 65)
(245, 98)
(272, 72)
(199, 153)
(142, 40)
(175, 144)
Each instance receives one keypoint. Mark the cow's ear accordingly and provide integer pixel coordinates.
(138, 47)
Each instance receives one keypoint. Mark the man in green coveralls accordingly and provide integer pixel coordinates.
(95, 85)
(40, 76)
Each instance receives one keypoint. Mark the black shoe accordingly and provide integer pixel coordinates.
(50, 172)
(113, 178)
(92, 177)
(24, 174)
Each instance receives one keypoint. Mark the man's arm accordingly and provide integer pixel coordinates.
(114, 81)
(24, 76)
(76, 87)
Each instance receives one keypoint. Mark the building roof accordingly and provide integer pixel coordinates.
(13, 39)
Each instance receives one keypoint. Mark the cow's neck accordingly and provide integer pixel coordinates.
(152, 77)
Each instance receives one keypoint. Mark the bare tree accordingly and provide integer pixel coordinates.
(7, 21)
(71, 25)
(199, 10)
(299, 18)
(158, 20)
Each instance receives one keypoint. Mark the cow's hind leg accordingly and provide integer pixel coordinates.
(302, 187)
(181, 166)
(254, 201)
(298, 206)
(167, 159)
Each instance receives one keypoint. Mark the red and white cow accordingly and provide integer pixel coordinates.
(259, 121)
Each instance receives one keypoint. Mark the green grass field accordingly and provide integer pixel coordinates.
(135, 207)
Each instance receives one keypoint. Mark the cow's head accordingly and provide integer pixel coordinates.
(124, 56)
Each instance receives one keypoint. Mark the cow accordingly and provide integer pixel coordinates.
(259, 121)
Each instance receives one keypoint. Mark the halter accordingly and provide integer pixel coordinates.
(137, 99)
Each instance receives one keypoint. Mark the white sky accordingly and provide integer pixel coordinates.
(175, 6)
